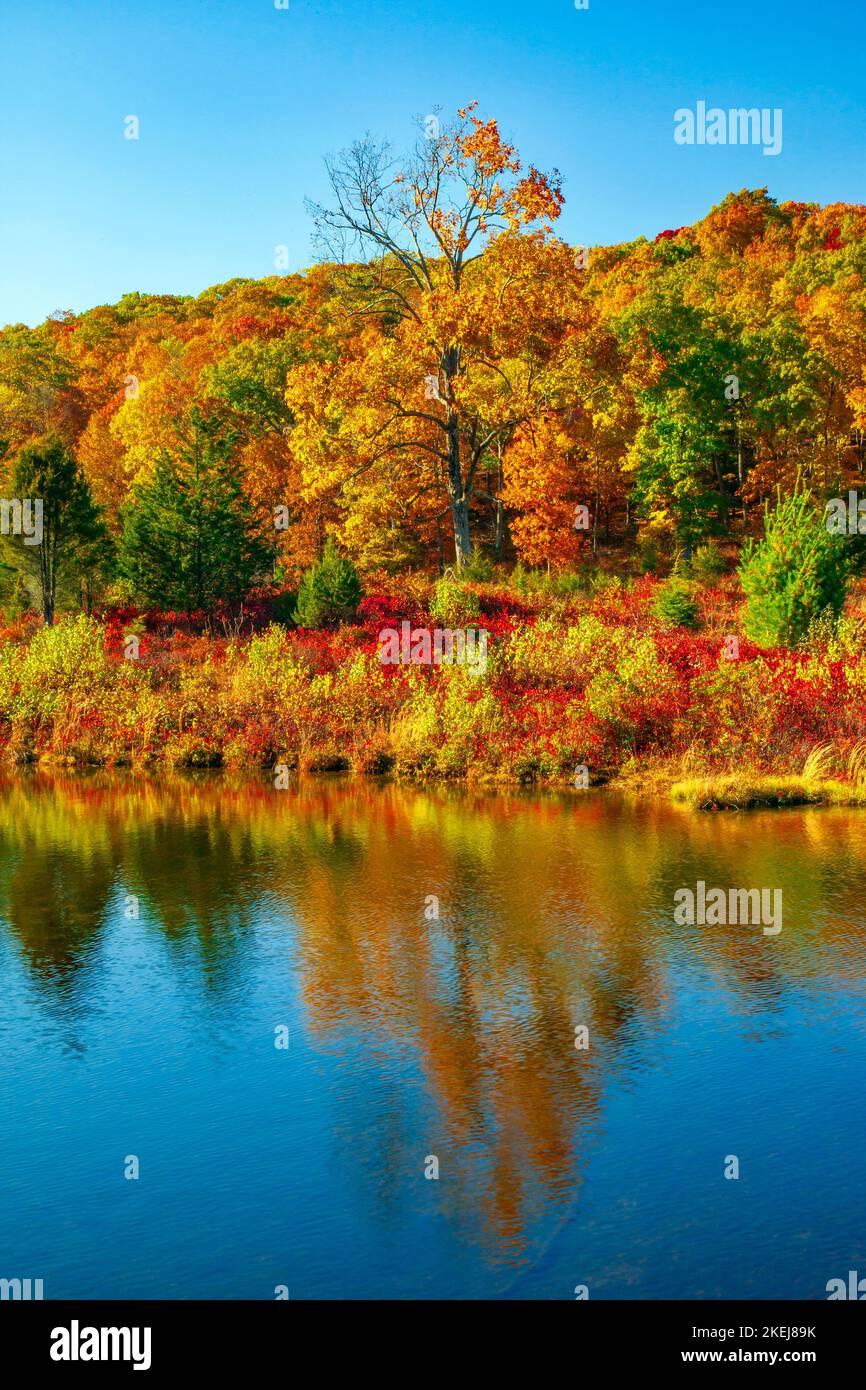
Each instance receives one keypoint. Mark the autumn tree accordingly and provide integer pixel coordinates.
(38, 393)
(250, 379)
(458, 377)
(413, 234)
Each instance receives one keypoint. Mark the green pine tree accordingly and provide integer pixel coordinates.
(68, 544)
(329, 592)
(794, 574)
(190, 536)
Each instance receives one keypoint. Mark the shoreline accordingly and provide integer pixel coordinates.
(724, 791)
(597, 694)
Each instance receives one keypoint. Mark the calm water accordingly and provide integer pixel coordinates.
(412, 1038)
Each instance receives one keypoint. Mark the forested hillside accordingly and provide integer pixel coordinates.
(422, 404)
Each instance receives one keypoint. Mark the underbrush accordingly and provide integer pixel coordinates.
(597, 681)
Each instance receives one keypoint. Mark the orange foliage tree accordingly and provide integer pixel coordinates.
(431, 400)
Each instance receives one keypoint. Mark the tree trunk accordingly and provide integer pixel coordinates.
(499, 541)
(595, 510)
(48, 574)
(723, 495)
(500, 530)
(450, 367)
(457, 496)
(740, 473)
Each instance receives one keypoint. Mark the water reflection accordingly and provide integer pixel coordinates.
(451, 1036)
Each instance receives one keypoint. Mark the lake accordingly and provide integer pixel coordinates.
(337, 1031)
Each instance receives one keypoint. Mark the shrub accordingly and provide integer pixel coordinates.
(479, 569)
(674, 603)
(521, 579)
(444, 723)
(793, 574)
(15, 596)
(632, 690)
(329, 592)
(285, 606)
(607, 585)
(452, 605)
(835, 636)
(648, 552)
(708, 563)
(546, 654)
(530, 583)
(265, 674)
(61, 667)
(571, 584)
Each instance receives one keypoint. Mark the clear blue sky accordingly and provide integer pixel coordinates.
(239, 101)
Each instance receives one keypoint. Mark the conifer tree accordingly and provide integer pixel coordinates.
(190, 536)
(67, 541)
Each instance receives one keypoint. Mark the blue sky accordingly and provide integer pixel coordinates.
(238, 103)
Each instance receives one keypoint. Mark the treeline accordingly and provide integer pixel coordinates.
(451, 382)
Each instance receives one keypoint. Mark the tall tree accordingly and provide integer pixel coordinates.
(38, 395)
(68, 540)
(190, 536)
(419, 230)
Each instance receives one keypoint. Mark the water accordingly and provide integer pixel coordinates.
(412, 1038)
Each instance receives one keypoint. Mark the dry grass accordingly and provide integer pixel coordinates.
(733, 791)
(857, 765)
(820, 763)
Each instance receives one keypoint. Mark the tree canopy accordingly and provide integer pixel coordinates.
(455, 375)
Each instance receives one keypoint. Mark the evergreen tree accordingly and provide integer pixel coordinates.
(53, 530)
(794, 574)
(190, 536)
(330, 591)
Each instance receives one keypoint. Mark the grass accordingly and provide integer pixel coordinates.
(734, 791)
